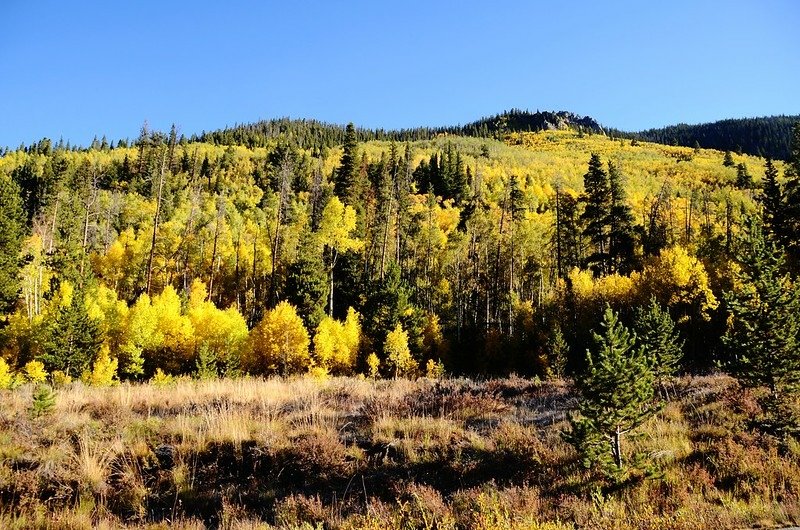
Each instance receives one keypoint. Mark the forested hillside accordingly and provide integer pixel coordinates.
(767, 136)
(463, 254)
(315, 135)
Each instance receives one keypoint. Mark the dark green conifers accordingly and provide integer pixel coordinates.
(72, 340)
(764, 319)
(12, 226)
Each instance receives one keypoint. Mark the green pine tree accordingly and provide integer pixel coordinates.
(764, 320)
(660, 341)
(558, 353)
(307, 285)
(616, 395)
(44, 401)
(597, 196)
(744, 180)
(620, 220)
(772, 202)
(566, 235)
(72, 340)
(727, 160)
(345, 183)
(206, 364)
(12, 225)
(791, 202)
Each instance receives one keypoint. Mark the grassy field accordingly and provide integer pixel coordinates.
(354, 453)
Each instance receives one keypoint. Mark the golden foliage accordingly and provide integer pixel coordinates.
(34, 372)
(103, 372)
(336, 343)
(224, 332)
(398, 355)
(679, 281)
(6, 376)
(373, 365)
(279, 343)
(337, 224)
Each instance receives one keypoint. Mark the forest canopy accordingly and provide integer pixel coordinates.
(292, 247)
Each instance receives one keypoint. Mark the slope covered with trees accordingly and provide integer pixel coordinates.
(608, 266)
(768, 136)
(471, 251)
(316, 135)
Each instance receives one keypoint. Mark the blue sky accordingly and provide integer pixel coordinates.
(79, 69)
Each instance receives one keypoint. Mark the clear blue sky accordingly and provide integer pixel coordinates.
(79, 69)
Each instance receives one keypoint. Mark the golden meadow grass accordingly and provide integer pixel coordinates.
(357, 453)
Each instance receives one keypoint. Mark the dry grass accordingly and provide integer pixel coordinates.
(353, 453)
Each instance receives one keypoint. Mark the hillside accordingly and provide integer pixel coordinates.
(767, 136)
(763, 137)
(460, 269)
(315, 135)
(451, 332)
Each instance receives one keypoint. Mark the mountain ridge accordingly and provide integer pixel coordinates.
(766, 136)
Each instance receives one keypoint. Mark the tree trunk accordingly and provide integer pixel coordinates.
(214, 253)
(155, 223)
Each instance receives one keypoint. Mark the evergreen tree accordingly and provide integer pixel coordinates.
(791, 216)
(772, 202)
(460, 180)
(793, 169)
(620, 221)
(206, 364)
(566, 235)
(516, 199)
(727, 160)
(764, 321)
(616, 395)
(345, 183)
(389, 304)
(43, 401)
(597, 196)
(34, 189)
(660, 340)
(72, 340)
(12, 224)
(558, 353)
(307, 281)
(744, 180)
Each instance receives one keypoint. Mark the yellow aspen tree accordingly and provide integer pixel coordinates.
(104, 370)
(337, 223)
(680, 282)
(176, 330)
(223, 332)
(336, 343)
(351, 337)
(6, 375)
(373, 365)
(398, 355)
(279, 343)
(141, 336)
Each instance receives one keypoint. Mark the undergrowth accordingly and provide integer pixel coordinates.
(346, 453)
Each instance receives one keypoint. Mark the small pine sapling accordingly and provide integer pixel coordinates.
(616, 396)
(44, 401)
(661, 342)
